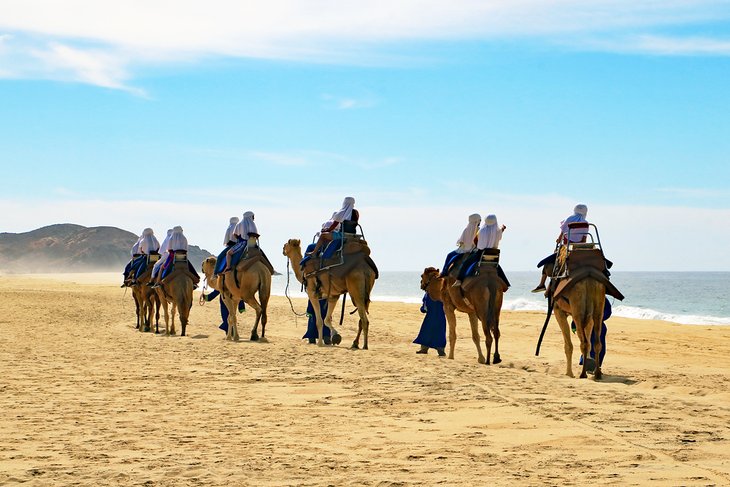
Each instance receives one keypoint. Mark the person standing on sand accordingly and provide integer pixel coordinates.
(433, 329)
(312, 334)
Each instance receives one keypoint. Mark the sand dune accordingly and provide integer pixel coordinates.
(86, 399)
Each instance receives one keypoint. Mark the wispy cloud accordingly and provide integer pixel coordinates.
(659, 45)
(112, 40)
(348, 103)
(281, 159)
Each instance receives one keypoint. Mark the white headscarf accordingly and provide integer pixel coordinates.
(490, 234)
(579, 215)
(466, 241)
(229, 231)
(246, 226)
(135, 247)
(149, 242)
(166, 242)
(178, 240)
(345, 212)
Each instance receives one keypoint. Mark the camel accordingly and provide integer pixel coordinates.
(147, 301)
(480, 298)
(584, 303)
(251, 279)
(176, 290)
(357, 279)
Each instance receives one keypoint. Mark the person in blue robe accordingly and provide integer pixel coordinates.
(606, 315)
(433, 329)
(312, 334)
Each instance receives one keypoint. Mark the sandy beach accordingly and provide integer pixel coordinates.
(88, 400)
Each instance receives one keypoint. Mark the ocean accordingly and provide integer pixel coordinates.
(696, 298)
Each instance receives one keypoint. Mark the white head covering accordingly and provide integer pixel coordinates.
(149, 242)
(229, 231)
(166, 242)
(246, 226)
(579, 215)
(466, 240)
(490, 234)
(345, 212)
(178, 240)
(135, 247)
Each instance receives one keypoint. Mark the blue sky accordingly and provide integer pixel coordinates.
(424, 112)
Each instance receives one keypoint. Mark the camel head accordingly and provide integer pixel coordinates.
(292, 245)
(208, 266)
(430, 274)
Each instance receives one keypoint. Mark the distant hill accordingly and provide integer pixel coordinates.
(73, 248)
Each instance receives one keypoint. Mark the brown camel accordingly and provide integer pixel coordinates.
(584, 302)
(581, 293)
(249, 280)
(480, 297)
(147, 302)
(176, 290)
(356, 277)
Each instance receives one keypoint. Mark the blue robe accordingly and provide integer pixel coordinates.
(312, 323)
(433, 328)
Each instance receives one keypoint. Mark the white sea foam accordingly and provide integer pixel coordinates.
(402, 287)
(650, 314)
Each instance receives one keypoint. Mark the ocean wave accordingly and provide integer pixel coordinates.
(526, 304)
(650, 314)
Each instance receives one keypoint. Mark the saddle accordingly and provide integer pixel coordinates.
(585, 262)
(353, 251)
(250, 257)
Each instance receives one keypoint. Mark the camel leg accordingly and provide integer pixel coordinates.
(331, 306)
(166, 316)
(597, 345)
(356, 341)
(184, 311)
(172, 318)
(253, 303)
(364, 322)
(584, 332)
(148, 314)
(495, 329)
(487, 337)
(230, 303)
(451, 319)
(474, 322)
(562, 320)
(157, 314)
(136, 309)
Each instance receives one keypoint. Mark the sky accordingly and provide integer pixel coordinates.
(137, 113)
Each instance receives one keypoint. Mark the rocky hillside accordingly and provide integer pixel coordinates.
(72, 248)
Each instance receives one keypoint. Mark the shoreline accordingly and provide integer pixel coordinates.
(516, 305)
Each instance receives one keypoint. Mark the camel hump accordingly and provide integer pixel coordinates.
(356, 246)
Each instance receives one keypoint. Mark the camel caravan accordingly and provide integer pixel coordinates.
(338, 262)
